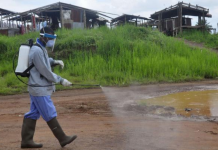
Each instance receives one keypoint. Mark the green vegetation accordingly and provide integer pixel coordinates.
(115, 57)
(209, 40)
(204, 23)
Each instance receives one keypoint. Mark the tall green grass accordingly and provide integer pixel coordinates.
(119, 56)
(210, 40)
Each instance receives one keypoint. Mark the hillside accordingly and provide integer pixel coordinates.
(120, 57)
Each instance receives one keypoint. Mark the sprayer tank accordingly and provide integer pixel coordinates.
(23, 59)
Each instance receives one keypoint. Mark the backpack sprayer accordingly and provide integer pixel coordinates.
(23, 67)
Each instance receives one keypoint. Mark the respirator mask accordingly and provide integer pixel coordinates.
(51, 42)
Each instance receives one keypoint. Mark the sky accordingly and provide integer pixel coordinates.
(134, 7)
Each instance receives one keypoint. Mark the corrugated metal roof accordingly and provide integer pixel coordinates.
(56, 6)
(6, 12)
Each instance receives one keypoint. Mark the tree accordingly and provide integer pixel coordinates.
(206, 24)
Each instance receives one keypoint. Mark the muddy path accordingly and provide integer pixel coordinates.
(102, 120)
(195, 44)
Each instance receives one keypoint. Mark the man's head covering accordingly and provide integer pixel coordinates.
(47, 32)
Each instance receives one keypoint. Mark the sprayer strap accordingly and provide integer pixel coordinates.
(28, 69)
(31, 66)
(26, 72)
(36, 44)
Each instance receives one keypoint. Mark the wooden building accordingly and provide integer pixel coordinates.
(170, 25)
(59, 15)
(7, 27)
(130, 19)
(173, 18)
(174, 23)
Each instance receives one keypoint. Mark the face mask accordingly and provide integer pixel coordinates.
(50, 43)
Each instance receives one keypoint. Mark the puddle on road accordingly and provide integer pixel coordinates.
(201, 103)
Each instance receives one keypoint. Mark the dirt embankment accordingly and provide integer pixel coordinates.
(102, 121)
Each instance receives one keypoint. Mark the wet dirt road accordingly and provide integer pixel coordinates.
(101, 122)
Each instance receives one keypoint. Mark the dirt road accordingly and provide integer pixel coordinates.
(99, 119)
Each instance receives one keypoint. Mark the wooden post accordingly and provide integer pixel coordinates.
(48, 22)
(159, 24)
(32, 20)
(1, 20)
(84, 19)
(174, 27)
(93, 23)
(61, 16)
(25, 26)
(161, 18)
(199, 20)
(21, 21)
(204, 21)
(166, 24)
(35, 21)
(180, 17)
(125, 19)
(9, 22)
(46, 19)
(136, 22)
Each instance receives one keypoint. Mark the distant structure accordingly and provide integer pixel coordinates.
(57, 15)
(6, 27)
(172, 20)
(129, 19)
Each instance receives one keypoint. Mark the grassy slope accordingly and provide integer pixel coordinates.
(115, 57)
(210, 40)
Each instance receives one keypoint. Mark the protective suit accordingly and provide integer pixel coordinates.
(42, 80)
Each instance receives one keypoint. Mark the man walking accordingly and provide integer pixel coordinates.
(40, 88)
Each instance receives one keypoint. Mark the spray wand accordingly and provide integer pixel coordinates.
(86, 85)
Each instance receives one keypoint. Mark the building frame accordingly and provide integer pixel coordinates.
(179, 10)
(125, 18)
(67, 15)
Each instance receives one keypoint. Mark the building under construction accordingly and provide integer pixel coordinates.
(6, 27)
(129, 19)
(173, 19)
(57, 15)
(170, 20)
